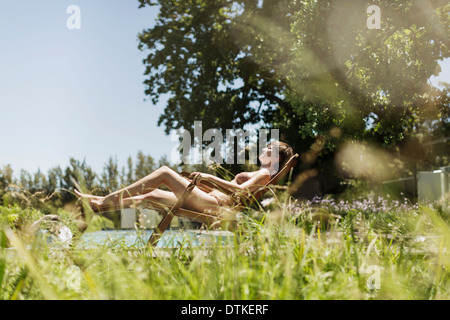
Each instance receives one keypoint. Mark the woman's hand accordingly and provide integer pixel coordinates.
(200, 175)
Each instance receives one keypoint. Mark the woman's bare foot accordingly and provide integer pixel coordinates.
(87, 196)
(97, 203)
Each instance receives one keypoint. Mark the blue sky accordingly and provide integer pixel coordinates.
(77, 93)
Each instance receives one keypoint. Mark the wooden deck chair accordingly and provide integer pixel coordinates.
(208, 218)
(203, 217)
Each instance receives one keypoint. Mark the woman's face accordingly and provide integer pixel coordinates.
(267, 155)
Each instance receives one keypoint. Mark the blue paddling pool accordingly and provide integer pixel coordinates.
(170, 239)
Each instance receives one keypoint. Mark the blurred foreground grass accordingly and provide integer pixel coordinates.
(288, 250)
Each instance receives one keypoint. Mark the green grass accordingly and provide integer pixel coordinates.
(281, 252)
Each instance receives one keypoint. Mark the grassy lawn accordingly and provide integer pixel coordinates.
(365, 249)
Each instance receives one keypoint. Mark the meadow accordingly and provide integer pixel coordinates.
(321, 249)
(354, 87)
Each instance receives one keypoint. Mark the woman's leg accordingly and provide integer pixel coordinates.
(160, 196)
(142, 186)
(200, 201)
(147, 188)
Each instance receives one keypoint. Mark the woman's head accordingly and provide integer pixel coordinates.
(276, 154)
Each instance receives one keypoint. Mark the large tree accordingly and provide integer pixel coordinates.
(310, 68)
(211, 58)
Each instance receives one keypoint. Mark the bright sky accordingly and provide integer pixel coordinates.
(77, 93)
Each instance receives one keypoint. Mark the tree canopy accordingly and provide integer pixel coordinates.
(314, 69)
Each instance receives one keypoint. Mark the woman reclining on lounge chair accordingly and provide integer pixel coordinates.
(199, 199)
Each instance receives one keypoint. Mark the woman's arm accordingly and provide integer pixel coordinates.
(259, 179)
